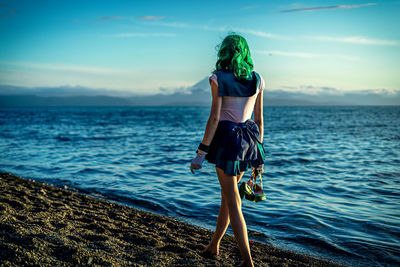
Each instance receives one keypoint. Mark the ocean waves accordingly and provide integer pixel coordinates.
(331, 174)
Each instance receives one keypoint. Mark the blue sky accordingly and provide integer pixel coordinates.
(142, 46)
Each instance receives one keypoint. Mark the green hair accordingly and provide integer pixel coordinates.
(234, 55)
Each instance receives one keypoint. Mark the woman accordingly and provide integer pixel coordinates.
(232, 141)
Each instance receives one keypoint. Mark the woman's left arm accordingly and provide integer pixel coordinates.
(211, 126)
(258, 114)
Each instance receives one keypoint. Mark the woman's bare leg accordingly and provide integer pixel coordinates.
(222, 223)
(238, 224)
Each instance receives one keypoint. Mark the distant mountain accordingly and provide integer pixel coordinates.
(33, 100)
(60, 91)
(196, 95)
(331, 97)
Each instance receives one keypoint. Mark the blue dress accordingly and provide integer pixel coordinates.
(236, 146)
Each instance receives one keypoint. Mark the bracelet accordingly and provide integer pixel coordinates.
(203, 147)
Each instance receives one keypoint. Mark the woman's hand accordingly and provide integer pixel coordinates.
(197, 162)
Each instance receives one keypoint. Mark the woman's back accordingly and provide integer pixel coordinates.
(237, 108)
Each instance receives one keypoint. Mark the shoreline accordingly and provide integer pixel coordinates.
(47, 225)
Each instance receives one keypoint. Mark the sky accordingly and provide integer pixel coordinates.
(147, 47)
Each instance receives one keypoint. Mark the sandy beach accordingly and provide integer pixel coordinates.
(41, 224)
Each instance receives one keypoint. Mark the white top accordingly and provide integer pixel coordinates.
(237, 108)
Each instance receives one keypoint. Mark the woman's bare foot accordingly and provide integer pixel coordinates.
(243, 264)
(210, 250)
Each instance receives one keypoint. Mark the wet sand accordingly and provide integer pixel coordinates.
(41, 224)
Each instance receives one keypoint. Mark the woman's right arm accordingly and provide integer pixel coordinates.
(213, 119)
(211, 126)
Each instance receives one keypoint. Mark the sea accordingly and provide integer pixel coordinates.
(331, 174)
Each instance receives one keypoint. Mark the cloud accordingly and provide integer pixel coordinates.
(304, 55)
(139, 34)
(260, 33)
(154, 18)
(325, 95)
(312, 90)
(11, 11)
(317, 90)
(172, 24)
(380, 91)
(67, 68)
(220, 29)
(328, 90)
(109, 17)
(306, 9)
(287, 54)
(355, 40)
(151, 17)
